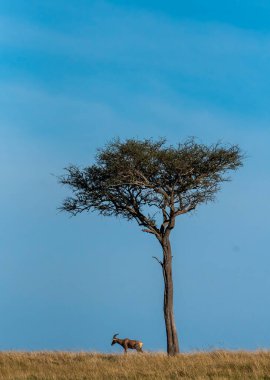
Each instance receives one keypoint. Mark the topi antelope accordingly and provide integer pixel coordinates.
(128, 343)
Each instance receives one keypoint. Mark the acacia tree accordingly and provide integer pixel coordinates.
(151, 183)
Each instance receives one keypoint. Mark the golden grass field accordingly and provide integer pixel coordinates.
(83, 366)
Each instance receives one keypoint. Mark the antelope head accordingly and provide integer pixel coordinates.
(114, 339)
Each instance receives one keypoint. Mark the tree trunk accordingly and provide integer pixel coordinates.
(172, 338)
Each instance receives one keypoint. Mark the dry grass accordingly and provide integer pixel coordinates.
(79, 366)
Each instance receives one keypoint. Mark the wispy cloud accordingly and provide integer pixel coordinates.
(227, 65)
(118, 35)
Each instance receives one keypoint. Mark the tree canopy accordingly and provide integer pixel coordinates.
(150, 181)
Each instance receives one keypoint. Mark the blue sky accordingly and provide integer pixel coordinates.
(75, 74)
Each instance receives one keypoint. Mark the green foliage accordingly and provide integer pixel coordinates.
(141, 179)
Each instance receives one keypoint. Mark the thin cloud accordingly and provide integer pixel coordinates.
(119, 35)
(229, 64)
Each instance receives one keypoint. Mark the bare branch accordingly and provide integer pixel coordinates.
(160, 262)
(149, 231)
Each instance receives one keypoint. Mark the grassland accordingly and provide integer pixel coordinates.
(84, 366)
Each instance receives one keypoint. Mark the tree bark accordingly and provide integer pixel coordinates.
(172, 338)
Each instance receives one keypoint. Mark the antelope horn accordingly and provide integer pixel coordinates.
(115, 335)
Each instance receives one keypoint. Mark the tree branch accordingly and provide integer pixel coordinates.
(160, 262)
(148, 231)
